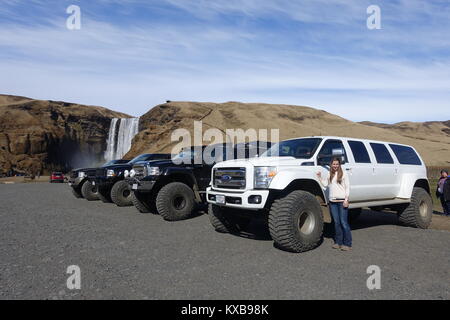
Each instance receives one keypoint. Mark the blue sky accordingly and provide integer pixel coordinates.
(131, 55)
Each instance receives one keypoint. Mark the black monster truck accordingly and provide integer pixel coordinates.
(109, 180)
(79, 177)
(174, 188)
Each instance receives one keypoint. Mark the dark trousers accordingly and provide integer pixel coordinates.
(445, 205)
(343, 235)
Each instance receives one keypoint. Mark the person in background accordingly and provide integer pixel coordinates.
(338, 185)
(440, 191)
(446, 195)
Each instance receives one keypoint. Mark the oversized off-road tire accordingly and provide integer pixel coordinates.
(296, 222)
(121, 194)
(143, 202)
(89, 192)
(353, 214)
(76, 193)
(221, 220)
(419, 212)
(104, 196)
(175, 201)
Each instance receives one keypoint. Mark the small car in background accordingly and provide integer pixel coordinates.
(57, 177)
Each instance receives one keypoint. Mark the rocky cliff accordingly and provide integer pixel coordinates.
(38, 135)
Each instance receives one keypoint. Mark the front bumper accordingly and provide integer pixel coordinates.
(141, 185)
(238, 199)
(75, 182)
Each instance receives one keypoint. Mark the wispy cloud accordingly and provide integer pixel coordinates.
(131, 55)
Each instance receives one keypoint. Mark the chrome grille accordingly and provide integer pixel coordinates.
(91, 173)
(229, 178)
(140, 171)
(100, 172)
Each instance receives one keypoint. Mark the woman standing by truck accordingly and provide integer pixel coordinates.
(338, 186)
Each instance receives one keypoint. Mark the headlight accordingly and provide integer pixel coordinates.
(126, 173)
(153, 171)
(264, 176)
(110, 173)
(132, 173)
(81, 174)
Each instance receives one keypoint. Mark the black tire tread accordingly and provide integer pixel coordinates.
(116, 194)
(162, 202)
(141, 204)
(86, 191)
(219, 221)
(410, 216)
(280, 222)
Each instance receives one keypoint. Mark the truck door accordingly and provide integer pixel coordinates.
(334, 148)
(360, 174)
(384, 172)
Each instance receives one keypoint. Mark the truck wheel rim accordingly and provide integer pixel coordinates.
(126, 193)
(179, 202)
(306, 223)
(423, 209)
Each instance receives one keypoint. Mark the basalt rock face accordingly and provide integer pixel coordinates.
(38, 135)
(157, 127)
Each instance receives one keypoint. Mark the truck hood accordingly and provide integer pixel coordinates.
(83, 169)
(123, 166)
(263, 161)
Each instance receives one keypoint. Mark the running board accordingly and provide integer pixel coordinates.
(377, 203)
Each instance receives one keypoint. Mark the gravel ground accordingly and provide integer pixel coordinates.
(123, 254)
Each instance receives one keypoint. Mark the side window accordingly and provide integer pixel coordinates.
(332, 149)
(359, 152)
(406, 155)
(381, 153)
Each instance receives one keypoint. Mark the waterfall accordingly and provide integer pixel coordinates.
(121, 133)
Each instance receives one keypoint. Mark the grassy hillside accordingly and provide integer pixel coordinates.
(158, 124)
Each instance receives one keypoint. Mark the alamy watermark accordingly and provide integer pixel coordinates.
(215, 145)
(74, 280)
(374, 19)
(374, 280)
(73, 22)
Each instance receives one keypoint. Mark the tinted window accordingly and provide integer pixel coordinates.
(142, 157)
(158, 156)
(359, 152)
(298, 148)
(381, 153)
(326, 153)
(406, 155)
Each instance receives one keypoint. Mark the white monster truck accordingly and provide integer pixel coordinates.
(281, 186)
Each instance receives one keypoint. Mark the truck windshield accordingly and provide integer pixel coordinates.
(110, 163)
(187, 154)
(298, 148)
(142, 157)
